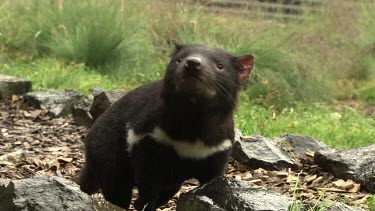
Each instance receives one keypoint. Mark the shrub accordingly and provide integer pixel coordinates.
(93, 32)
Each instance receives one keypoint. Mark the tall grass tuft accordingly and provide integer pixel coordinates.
(25, 28)
(96, 33)
(92, 32)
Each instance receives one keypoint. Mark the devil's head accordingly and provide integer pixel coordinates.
(200, 74)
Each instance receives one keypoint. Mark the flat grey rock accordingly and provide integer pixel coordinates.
(229, 194)
(103, 100)
(81, 113)
(343, 207)
(299, 144)
(196, 202)
(43, 193)
(10, 85)
(58, 103)
(356, 164)
(96, 91)
(261, 152)
(13, 158)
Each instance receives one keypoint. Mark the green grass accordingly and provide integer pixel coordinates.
(53, 74)
(337, 126)
(371, 202)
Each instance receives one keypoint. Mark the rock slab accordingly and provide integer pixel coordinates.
(260, 152)
(299, 144)
(224, 193)
(58, 103)
(13, 158)
(81, 114)
(103, 100)
(343, 207)
(10, 85)
(355, 164)
(43, 193)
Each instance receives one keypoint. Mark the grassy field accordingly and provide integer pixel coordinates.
(304, 69)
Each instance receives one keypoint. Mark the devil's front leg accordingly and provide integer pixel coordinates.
(149, 164)
(213, 166)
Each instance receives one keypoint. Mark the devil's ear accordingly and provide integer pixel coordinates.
(245, 64)
(178, 46)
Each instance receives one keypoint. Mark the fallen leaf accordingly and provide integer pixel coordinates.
(355, 188)
(64, 160)
(310, 178)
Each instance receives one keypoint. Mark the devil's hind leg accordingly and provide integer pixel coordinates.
(117, 187)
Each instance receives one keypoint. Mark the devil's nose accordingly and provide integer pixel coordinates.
(193, 63)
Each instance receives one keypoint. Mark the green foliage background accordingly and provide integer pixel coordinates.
(303, 68)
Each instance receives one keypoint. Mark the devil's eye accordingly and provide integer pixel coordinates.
(179, 60)
(220, 66)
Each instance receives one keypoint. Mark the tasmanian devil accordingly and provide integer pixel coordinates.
(167, 131)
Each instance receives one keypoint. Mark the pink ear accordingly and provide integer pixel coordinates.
(246, 63)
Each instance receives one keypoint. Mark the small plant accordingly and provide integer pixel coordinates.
(371, 203)
(320, 204)
(297, 204)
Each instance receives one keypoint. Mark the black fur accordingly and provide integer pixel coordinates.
(195, 100)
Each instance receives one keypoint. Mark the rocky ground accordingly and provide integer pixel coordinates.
(34, 144)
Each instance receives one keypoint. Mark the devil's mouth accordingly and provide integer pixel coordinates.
(195, 85)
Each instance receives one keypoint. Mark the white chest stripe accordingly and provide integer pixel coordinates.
(133, 139)
(185, 149)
